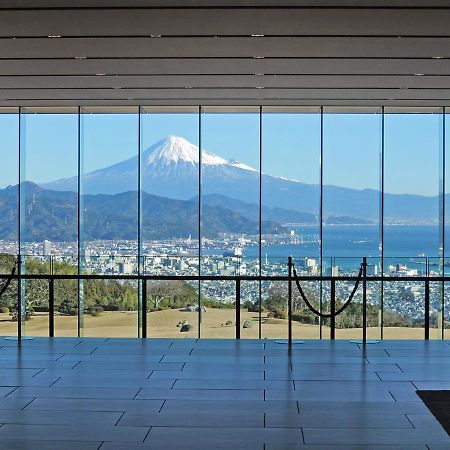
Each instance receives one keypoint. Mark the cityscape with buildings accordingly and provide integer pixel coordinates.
(226, 257)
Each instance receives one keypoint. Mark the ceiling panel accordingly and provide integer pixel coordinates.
(105, 52)
(226, 22)
(439, 95)
(224, 66)
(242, 47)
(18, 4)
(227, 82)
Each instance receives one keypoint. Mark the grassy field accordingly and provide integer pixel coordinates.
(164, 324)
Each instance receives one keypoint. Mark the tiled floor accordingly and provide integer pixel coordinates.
(68, 393)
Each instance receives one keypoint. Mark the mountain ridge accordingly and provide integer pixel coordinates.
(171, 169)
(52, 215)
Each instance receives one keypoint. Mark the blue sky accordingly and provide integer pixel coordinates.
(290, 142)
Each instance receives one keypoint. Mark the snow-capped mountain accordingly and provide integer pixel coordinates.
(174, 149)
(170, 168)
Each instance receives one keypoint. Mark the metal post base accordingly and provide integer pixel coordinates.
(360, 341)
(286, 341)
(23, 338)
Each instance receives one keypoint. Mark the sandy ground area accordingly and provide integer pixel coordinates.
(164, 324)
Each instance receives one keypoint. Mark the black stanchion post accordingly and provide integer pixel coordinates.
(51, 307)
(290, 301)
(238, 308)
(427, 309)
(333, 310)
(144, 308)
(364, 305)
(19, 298)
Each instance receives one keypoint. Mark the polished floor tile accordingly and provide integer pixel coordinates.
(164, 394)
(30, 444)
(374, 436)
(337, 419)
(74, 432)
(90, 404)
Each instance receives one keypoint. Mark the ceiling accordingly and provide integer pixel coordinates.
(222, 52)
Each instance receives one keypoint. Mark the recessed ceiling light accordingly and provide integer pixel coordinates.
(259, 87)
(259, 74)
(419, 74)
(437, 57)
(258, 57)
(156, 36)
(100, 74)
(80, 57)
(54, 36)
(257, 35)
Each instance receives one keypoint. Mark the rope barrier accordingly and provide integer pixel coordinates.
(314, 310)
(8, 281)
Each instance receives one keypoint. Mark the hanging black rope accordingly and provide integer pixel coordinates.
(341, 309)
(8, 281)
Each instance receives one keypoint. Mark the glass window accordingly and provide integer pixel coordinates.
(290, 213)
(170, 217)
(9, 211)
(109, 151)
(49, 211)
(412, 148)
(230, 197)
(351, 210)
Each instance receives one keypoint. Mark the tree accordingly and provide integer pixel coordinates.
(168, 293)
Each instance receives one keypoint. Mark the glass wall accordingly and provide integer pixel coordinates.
(169, 223)
(444, 317)
(49, 219)
(351, 209)
(9, 212)
(291, 143)
(230, 199)
(176, 194)
(412, 166)
(109, 167)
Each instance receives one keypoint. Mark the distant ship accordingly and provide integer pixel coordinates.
(236, 251)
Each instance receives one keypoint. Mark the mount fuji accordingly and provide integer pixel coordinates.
(170, 168)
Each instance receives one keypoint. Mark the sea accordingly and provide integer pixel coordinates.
(345, 245)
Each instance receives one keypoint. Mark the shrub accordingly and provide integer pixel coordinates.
(68, 308)
(4, 310)
(279, 314)
(305, 318)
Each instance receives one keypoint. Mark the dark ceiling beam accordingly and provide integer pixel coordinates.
(418, 81)
(229, 22)
(194, 4)
(226, 47)
(224, 66)
(225, 52)
(194, 94)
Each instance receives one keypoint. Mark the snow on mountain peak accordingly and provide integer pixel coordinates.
(175, 149)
